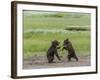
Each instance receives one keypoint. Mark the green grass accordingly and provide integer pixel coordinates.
(39, 42)
(36, 21)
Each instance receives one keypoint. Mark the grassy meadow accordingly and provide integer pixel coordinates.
(40, 28)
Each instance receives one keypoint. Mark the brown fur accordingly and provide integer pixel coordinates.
(52, 51)
(67, 45)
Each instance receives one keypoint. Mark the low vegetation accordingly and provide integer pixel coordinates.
(38, 42)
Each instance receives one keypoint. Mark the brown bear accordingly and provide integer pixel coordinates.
(52, 51)
(67, 45)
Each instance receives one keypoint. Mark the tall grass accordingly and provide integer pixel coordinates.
(40, 42)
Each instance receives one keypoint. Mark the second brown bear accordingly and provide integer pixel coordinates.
(67, 45)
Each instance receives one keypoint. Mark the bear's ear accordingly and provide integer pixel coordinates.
(67, 39)
(57, 42)
(53, 43)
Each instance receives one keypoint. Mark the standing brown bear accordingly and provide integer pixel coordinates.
(52, 51)
(67, 45)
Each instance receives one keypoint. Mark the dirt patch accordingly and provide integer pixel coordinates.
(36, 62)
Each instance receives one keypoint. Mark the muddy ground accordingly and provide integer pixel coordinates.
(41, 62)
